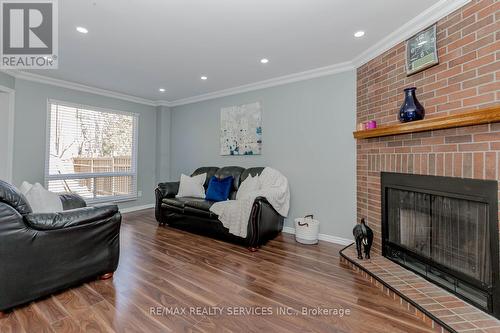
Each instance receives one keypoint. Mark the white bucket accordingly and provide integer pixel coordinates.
(306, 230)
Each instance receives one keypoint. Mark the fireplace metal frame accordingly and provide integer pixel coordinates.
(485, 191)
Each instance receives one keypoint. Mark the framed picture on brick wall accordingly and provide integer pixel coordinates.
(421, 51)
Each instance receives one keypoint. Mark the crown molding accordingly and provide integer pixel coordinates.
(162, 103)
(429, 16)
(310, 74)
(77, 86)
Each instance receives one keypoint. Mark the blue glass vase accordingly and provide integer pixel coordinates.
(411, 109)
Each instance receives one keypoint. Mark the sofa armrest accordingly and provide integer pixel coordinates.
(263, 203)
(265, 222)
(168, 190)
(71, 218)
(164, 190)
(72, 201)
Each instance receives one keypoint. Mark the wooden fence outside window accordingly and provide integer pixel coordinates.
(105, 186)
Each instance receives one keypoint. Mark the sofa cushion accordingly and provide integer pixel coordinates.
(219, 189)
(200, 204)
(233, 171)
(247, 187)
(189, 202)
(192, 186)
(251, 171)
(43, 201)
(72, 201)
(210, 171)
(25, 187)
(176, 202)
(199, 212)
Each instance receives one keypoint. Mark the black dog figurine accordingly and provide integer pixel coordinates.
(363, 236)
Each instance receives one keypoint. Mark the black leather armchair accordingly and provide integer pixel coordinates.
(44, 253)
(194, 215)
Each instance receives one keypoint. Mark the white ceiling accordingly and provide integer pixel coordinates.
(136, 47)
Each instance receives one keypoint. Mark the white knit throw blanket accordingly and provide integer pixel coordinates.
(235, 214)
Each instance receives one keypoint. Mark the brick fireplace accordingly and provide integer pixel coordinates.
(466, 78)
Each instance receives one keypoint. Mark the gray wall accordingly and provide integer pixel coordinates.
(163, 123)
(307, 135)
(30, 133)
(7, 80)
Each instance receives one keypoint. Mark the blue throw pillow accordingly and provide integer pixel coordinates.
(219, 189)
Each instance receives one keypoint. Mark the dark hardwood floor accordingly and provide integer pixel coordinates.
(171, 269)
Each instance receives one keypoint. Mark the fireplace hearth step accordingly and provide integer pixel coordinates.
(435, 306)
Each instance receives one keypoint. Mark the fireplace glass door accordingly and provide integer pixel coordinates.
(449, 231)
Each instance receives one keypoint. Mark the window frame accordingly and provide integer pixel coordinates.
(134, 158)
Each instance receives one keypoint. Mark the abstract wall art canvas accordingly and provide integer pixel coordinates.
(241, 129)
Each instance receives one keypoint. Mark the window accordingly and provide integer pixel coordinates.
(91, 152)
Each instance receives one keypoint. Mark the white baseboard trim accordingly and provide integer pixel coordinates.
(136, 208)
(323, 237)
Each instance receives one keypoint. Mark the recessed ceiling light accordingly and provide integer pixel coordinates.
(264, 60)
(204, 78)
(82, 30)
(161, 90)
(358, 34)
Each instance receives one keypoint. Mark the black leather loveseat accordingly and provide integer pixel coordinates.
(41, 254)
(193, 214)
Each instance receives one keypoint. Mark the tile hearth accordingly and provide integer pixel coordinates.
(435, 306)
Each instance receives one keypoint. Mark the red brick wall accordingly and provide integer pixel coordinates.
(466, 78)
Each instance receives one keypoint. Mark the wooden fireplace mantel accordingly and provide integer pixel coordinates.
(475, 117)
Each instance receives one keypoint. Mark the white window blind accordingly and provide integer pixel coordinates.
(91, 152)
